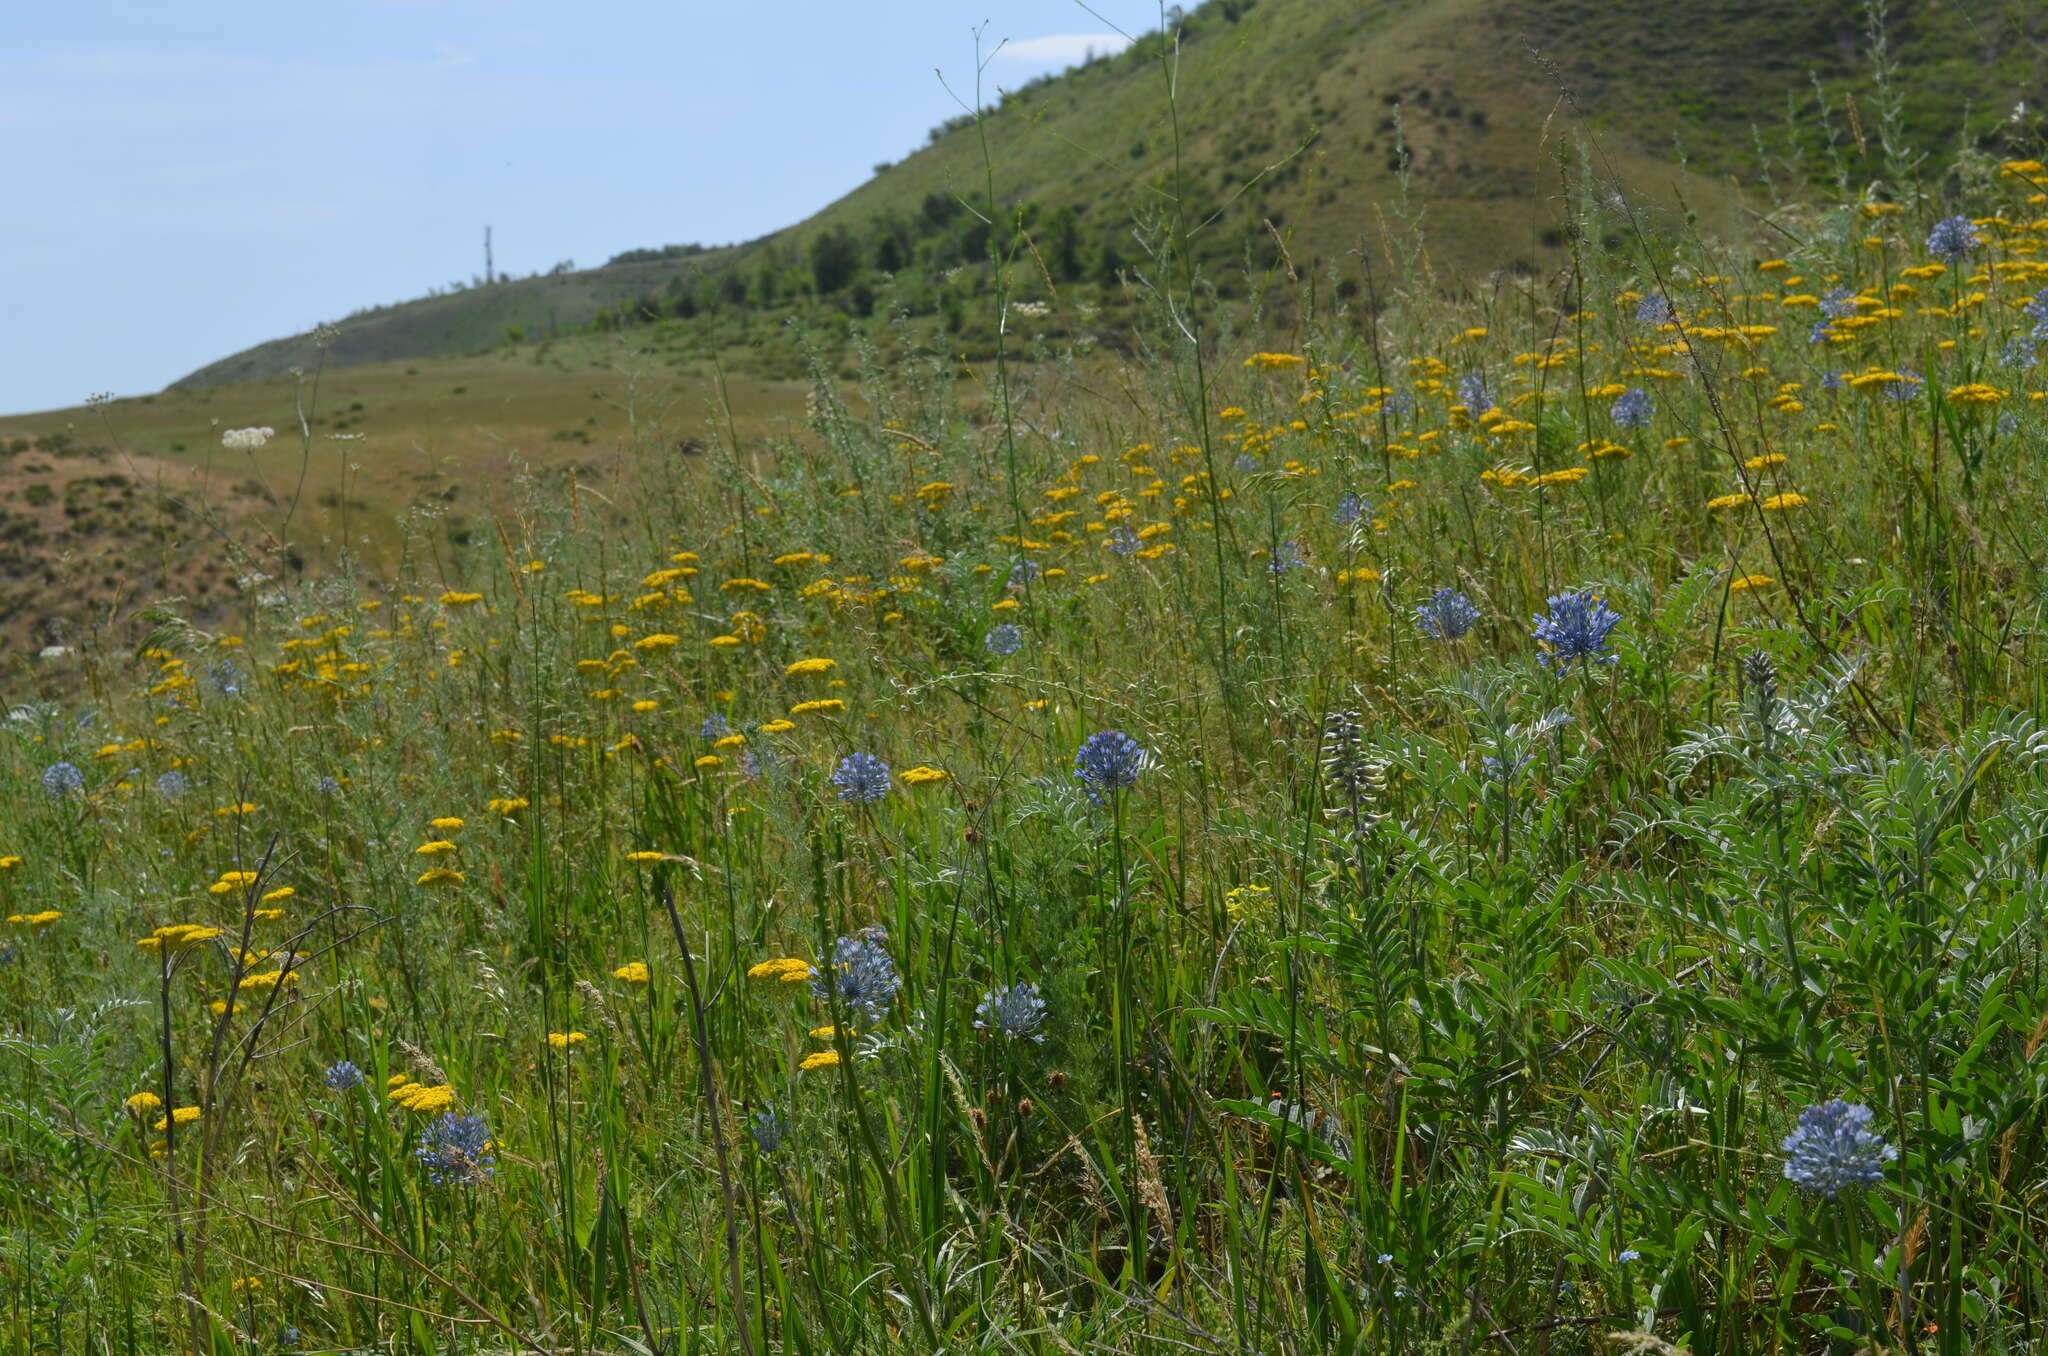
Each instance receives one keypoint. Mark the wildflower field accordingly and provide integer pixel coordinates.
(1506, 824)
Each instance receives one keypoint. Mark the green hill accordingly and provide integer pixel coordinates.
(1303, 126)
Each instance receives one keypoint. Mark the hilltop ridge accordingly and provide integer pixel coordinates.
(1300, 127)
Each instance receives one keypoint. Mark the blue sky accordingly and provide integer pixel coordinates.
(183, 180)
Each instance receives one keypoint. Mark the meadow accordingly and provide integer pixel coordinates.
(1509, 824)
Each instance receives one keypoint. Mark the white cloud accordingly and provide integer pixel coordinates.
(1062, 49)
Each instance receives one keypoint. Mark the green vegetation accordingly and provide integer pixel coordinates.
(1350, 819)
(1111, 865)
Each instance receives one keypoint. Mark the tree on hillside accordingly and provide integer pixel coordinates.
(835, 258)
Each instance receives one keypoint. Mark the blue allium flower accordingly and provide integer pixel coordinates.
(1401, 404)
(1023, 572)
(1629, 1255)
(1953, 237)
(1501, 771)
(1384, 1258)
(63, 779)
(768, 1131)
(861, 778)
(1287, 556)
(2036, 308)
(2018, 351)
(1448, 615)
(1576, 630)
(1820, 333)
(1245, 464)
(225, 678)
(1632, 409)
(1833, 1149)
(715, 726)
(862, 977)
(1838, 303)
(173, 783)
(759, 761)
(343, 1075)
(327, 786)
(1907, 387)
(1831, 382)
(1123, 542)
(456, 1150)
(1014, 1010)
(1655, 310)
(1472, 393)
(1350, 511)
(287, 1337)
(1109, 760)
(1003, 640)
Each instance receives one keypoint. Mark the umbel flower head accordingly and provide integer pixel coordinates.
(1448, 615)
(1004, 640)
(1576, 630)
(343, 1075)
(1833, 1149)
(1953, 237)
(1633, 408)
(1109, 760)
(63, 779)
(862, 778)
(1013, 1010)
(1654, 310)
(862, 978)
(456, 1150)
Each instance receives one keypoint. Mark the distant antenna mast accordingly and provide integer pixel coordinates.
(490, 273)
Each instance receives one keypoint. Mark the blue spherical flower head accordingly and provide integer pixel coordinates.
(456, 1150)
(714, 726)
(1820, 333)
(1108, 761)
(1838, 302)
(1004, 640)
(1472, 393)
(1015, 1011)
(1575, 631)
(768, 1131)
(1906, 387)
(1350, 511)
(1833, 1149)
(327, 786)
(1953, 237)
(1023, 572)
(343, 1075)
(63, 779)
(225, 678)
(1287, 556)
(1448, 615)
(863, 978)
(173, 783)
(2036, 308)
(862, 778)
(1633, 408)
(1654, 310)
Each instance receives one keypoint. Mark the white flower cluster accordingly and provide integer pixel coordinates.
(246, 439)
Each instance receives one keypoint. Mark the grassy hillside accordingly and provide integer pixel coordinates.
(1515, 826)
(389, 447)
(1303, 126)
